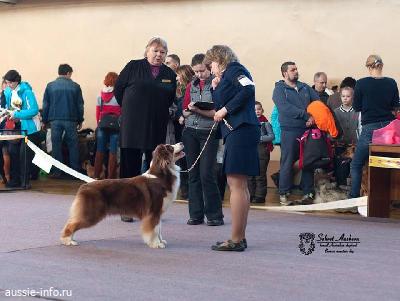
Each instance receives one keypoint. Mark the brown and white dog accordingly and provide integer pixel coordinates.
(146, 197)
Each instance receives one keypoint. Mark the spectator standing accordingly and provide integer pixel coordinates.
(145, 89)
(320, 86)
(276, 126)
(204, 195)
(334, 100)
(21, 100)
(107, 139)
(63, 110)
(184, 75)
(291, 98)
(376, 97)
(347, 117)
(348, 120)
(258, 184)
(173, 61)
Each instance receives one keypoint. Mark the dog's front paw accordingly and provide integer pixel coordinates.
(67, 241)
(157, 244)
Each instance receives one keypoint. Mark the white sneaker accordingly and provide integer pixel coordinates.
(283, 199)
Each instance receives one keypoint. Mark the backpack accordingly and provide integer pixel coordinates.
(315, 150)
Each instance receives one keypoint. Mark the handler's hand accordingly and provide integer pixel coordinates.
(220, 114)
(215, 82)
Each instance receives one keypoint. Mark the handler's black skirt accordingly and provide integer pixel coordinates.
(241, 152)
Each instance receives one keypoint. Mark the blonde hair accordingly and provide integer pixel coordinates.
(156, 41)
(221, 54)
(374, 61)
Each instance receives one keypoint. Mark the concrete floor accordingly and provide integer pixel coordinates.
(112, 263)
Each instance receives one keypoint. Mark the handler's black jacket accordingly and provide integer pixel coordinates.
(144, 101)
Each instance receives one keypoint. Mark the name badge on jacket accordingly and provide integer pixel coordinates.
(245, 81)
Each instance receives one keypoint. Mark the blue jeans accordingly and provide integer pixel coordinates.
(361, 155)
(290, 151)
(204, 195)
(58, 128)
(107, 140)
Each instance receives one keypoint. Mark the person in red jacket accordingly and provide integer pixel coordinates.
(107, 140)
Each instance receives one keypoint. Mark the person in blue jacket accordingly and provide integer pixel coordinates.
(234, 96)
(291, 98)
(21, 101)
(63, 109)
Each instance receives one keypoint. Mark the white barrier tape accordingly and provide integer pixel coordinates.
(363, 210)
(11, 137)
(356, 202)
(44, 161)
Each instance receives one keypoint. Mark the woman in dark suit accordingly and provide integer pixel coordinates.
(234, 96)
(145, 89)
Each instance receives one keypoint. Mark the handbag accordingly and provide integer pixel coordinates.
(315, 150)
(10, 124)
(110, 122)
(389, 134)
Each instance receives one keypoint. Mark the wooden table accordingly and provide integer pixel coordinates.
(383, 179)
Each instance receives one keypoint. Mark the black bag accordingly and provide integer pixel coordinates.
(315, 150)
(108, 122)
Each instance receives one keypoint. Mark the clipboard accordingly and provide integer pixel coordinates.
(203, 105)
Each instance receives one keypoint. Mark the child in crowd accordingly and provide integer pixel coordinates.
(258, 184)
(349, 122)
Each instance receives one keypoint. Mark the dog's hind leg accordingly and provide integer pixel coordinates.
(68, 232)
(81, 217)
(151, 232)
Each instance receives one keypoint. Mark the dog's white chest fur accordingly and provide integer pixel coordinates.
(171, 195)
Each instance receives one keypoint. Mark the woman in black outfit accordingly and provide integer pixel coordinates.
(376, 97)
(145, 89)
